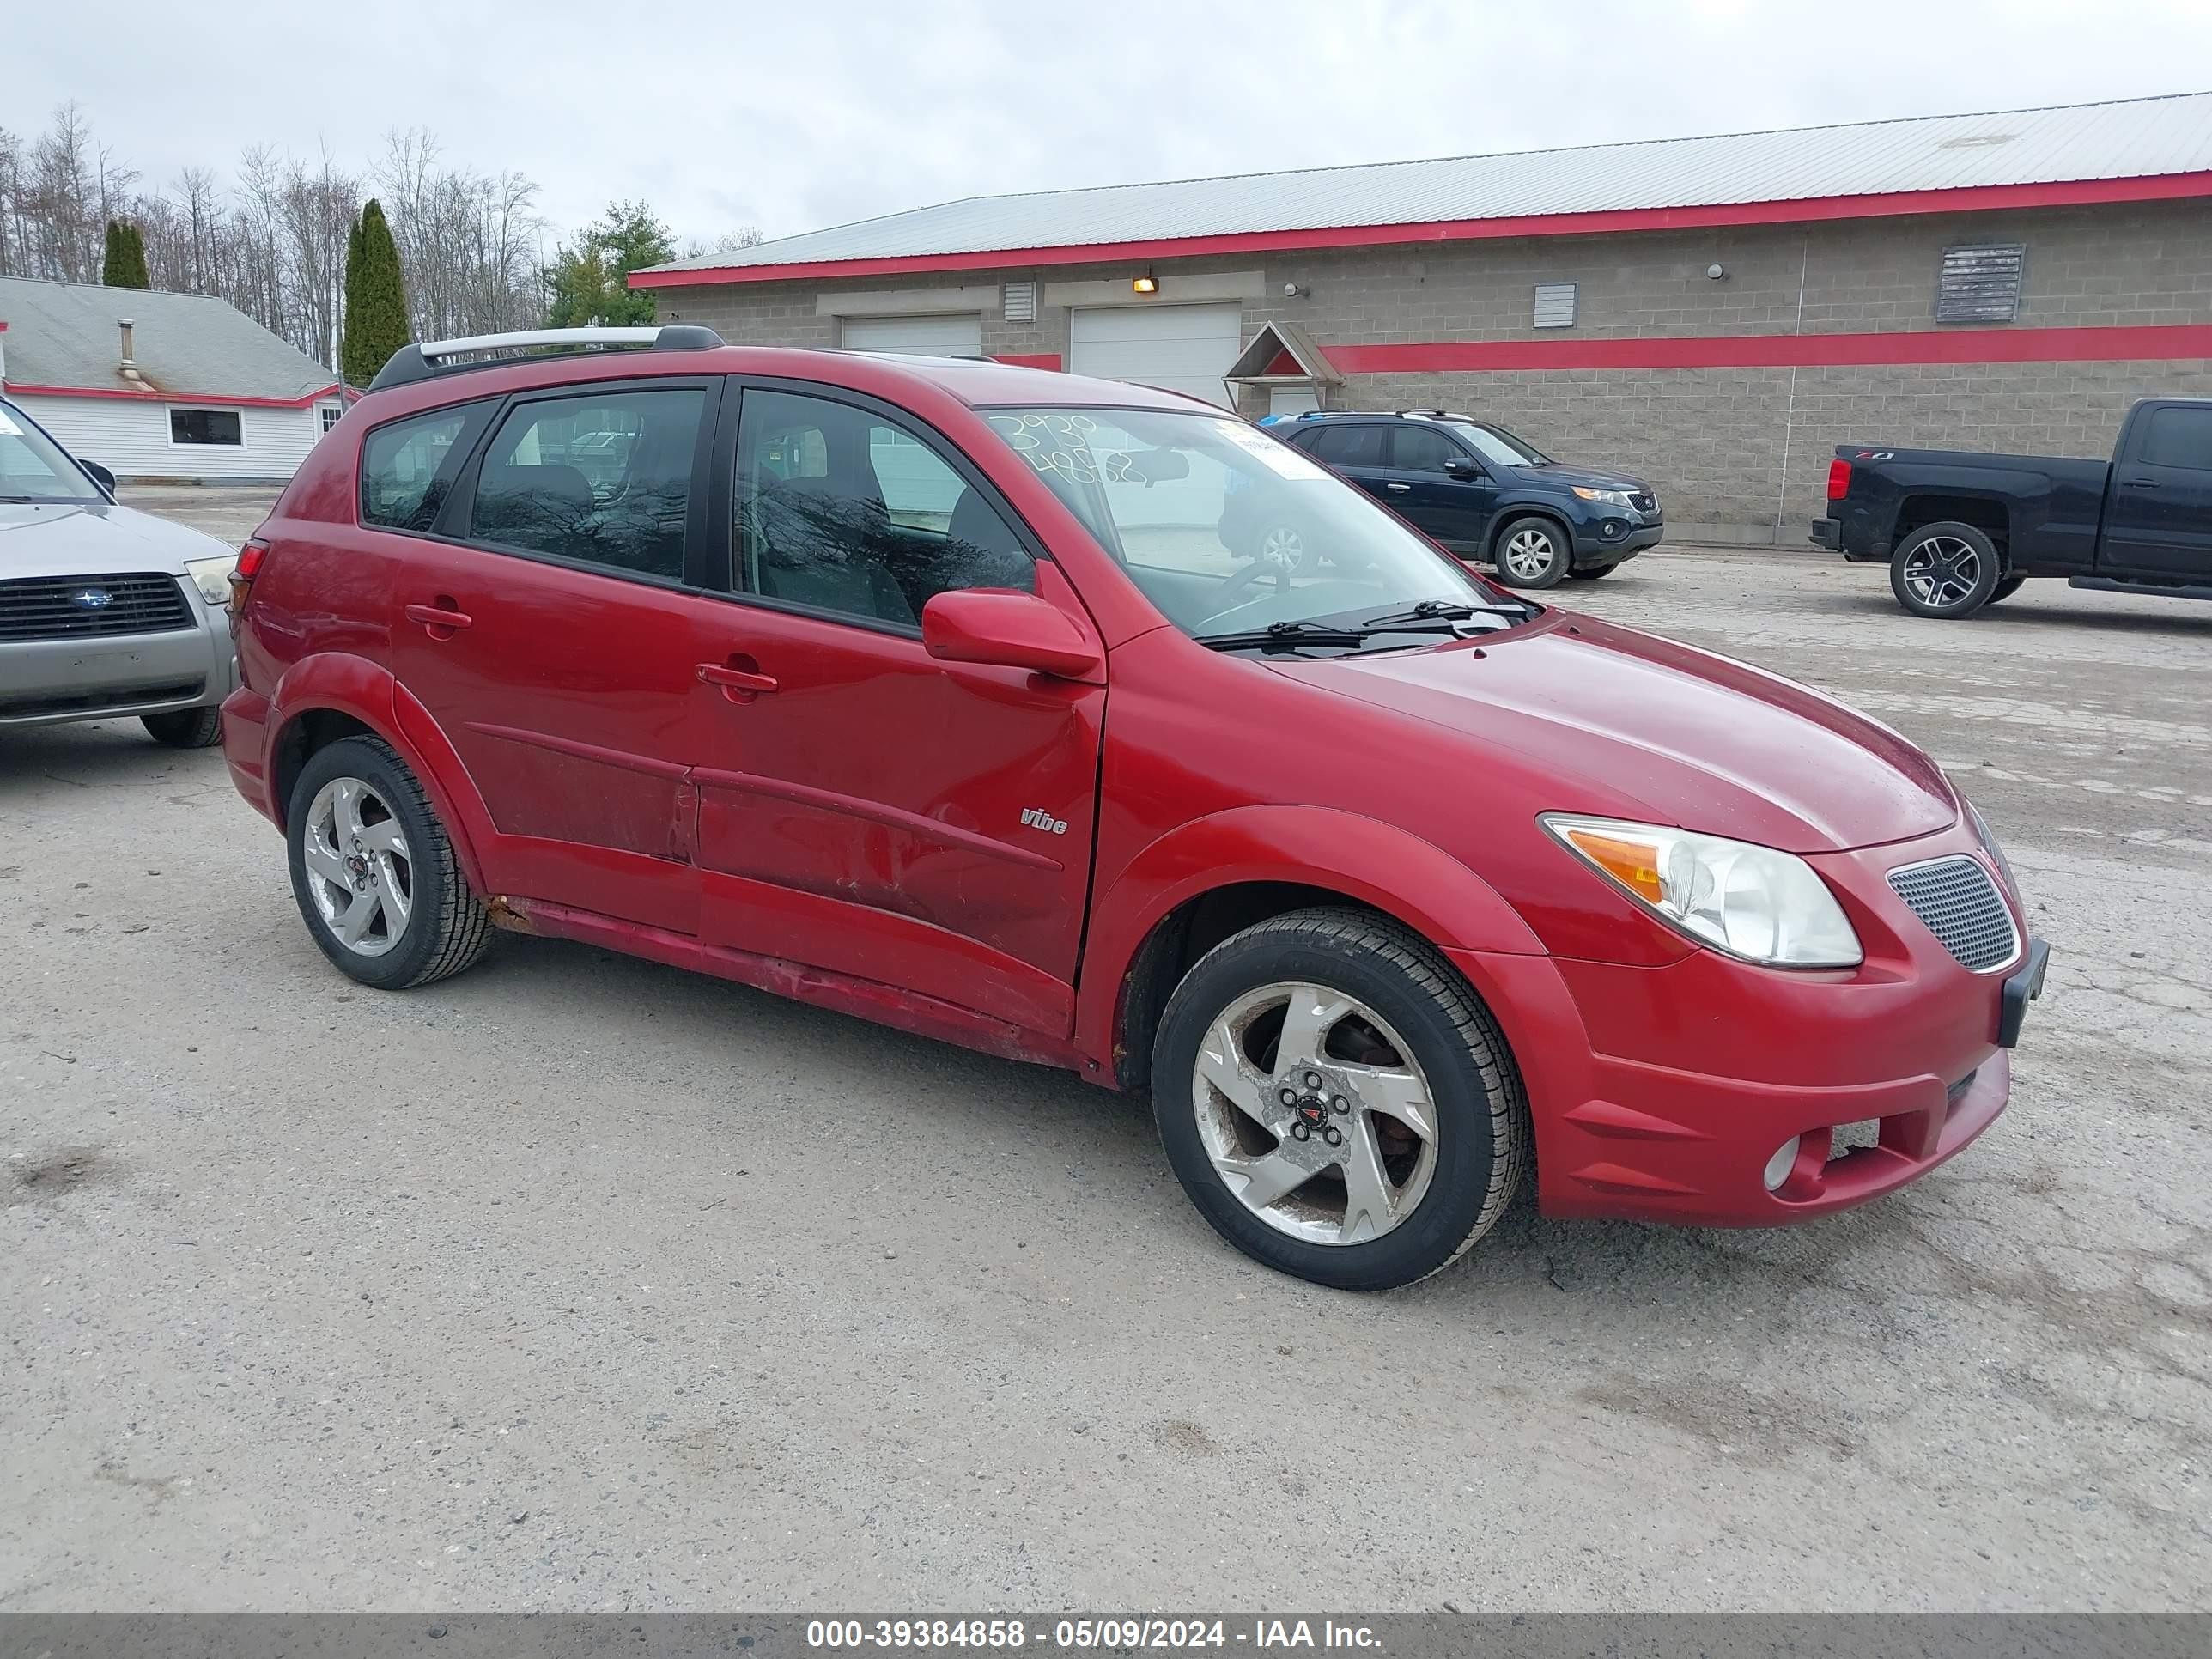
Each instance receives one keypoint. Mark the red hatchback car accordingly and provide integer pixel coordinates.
(929, 690)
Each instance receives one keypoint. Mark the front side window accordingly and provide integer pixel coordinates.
(407, 468)
(1226, 530)
(33, 468)
(604, 478)
(206, 426)
(1423, 449)
(843, 511)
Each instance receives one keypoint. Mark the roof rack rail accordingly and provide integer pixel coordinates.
(411, 363)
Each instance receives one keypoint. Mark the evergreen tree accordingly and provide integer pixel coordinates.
(375, 299)
(589, 282)
(125, 265)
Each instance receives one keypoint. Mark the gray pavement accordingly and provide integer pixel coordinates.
(579, 1283)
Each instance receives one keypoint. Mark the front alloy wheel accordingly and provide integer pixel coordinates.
(1533, 552)
(1283, 547)
(1313, 1113)
(1336, 1102)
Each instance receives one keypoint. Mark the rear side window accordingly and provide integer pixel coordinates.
(604, 479)
(2180, 437)
(1349, 445)
(408, 468)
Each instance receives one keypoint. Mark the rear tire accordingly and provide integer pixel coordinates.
(1533, 553)
(185, 728)
(1405, 1152)
(1944, 570)
(373, 871)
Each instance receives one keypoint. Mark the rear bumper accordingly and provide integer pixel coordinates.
(1828, 533)
(246, 751)
(1661, 1094)
(46, 682)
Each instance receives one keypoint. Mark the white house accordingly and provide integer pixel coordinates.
(162, 387)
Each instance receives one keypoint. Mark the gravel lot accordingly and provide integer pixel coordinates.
(579, 1283)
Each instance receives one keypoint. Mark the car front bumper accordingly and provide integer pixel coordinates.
(1611, 539)
(44, 681)
(1661, 1094)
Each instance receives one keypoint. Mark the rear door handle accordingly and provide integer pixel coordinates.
(1397, 486)
(734, 681)
(2139, 483)
(434, 617)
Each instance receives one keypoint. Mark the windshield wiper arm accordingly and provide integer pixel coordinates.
(1288, 635)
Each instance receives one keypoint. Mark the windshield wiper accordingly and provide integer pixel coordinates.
(1289, 636)
(1450, 610)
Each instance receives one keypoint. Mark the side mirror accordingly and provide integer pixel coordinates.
(99, 475)
(1461, 468)
(1007, 629)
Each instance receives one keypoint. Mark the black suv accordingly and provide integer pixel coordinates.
(1483, 493)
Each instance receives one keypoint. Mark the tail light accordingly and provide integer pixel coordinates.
(250, 557)
(1839, 479)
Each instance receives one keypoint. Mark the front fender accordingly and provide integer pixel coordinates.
(1373, 863)
(366, 691)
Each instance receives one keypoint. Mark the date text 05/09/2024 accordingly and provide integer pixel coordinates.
(1117, 1634)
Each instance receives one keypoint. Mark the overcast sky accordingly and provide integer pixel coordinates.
(789, 117)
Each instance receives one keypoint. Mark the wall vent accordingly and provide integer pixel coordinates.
(1555, 305)
(1981, 284)
(1020, 303)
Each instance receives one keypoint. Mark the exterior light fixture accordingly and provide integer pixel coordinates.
(1146, 283)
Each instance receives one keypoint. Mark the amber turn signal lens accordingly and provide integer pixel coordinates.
(1634, 864)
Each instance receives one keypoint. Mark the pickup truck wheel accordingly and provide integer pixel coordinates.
(1533, 552)
(185, 728)
(1944, 570)
(2007, 588)
(374, 873)
(1337, 1102)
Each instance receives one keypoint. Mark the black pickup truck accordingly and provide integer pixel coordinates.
(1960, 531)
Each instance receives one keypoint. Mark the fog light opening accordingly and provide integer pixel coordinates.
(1779, 1167)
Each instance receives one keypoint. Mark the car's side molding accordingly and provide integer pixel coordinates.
(1344, 853)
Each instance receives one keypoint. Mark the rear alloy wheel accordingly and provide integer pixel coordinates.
(1336, 1102)
(1533, 553)
(1946, 571)
(185, 728)
(374, 873)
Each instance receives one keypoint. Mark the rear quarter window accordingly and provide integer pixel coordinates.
(408, 467)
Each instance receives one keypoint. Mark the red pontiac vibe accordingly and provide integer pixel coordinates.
(951, 695)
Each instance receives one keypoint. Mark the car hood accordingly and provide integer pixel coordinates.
(1568, 476)
(1631, 724)
(63, 538)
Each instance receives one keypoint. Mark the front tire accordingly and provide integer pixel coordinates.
(1336, 1102)
(1944, 570)
(185, 728)
(374, 873)
(1533, 553)
(1591, 572)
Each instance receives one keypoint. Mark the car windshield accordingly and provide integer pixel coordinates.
(35, 468)
(1228, 531)
(1499, 447)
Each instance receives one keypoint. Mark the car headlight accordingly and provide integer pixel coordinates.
(1989, 846)
(1750, 901)
(212, 578)
(1610, 497)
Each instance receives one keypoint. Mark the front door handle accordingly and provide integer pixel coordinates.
(2139, 483)
(739, 685)
(442, 619)
(1397, 486)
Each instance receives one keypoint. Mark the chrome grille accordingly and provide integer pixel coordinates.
(89, 607)
(1962, 908)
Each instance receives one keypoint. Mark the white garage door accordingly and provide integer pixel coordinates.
(1186, 349)
(927, 337)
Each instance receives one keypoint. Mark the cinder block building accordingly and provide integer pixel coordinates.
(1713, 314)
